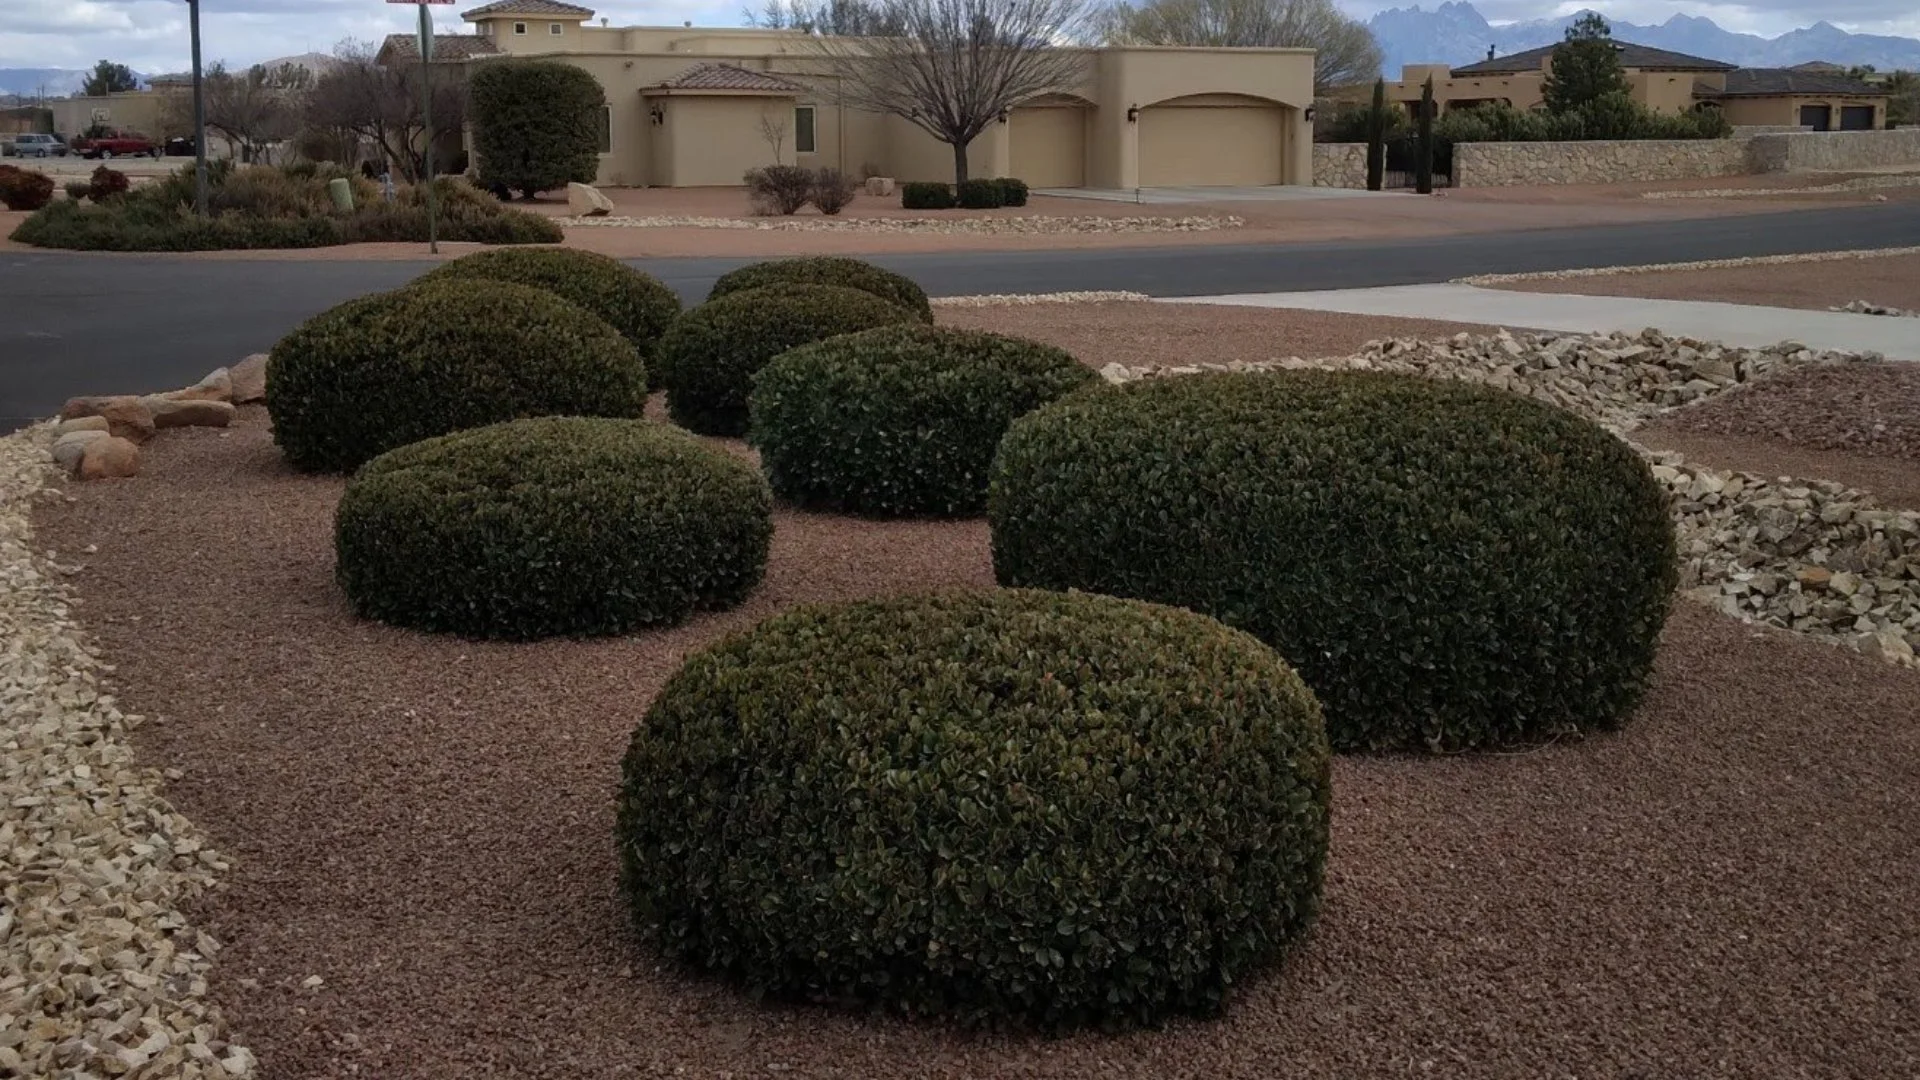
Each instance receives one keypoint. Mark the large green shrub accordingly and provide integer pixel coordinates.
(708, 359)
(1449, 566)
(552, 525)
(536, 124)
(1013, 192)
(900, 420)
(997, 806)
(980, 195)
(386, 370)
(634, 303)
(829, 270)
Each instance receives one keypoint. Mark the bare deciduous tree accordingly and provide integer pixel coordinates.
(841, 18)
(382, 105)
(773, 128)
(953, 66)
(252, 110)
(1345, 52)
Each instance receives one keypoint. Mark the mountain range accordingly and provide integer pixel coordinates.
(63, 82)
(1456, 34)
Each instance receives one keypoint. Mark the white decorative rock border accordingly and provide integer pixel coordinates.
(1024, 299)
(100, 973)
(1703, 264)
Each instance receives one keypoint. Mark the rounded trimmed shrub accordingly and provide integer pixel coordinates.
(387, 370)
(708, 360)
(1449, 566)
(1044, 808)
(634, 303)
(900, 420)
(553, 525)
(829, 270)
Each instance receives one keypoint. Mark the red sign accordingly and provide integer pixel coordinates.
(422, 3)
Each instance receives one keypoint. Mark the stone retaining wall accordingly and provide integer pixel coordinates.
(1597, 162)
(1341, 165)
(1831, 151)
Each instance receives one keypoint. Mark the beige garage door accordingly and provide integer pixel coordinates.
(1211, 145)
(1049, 146)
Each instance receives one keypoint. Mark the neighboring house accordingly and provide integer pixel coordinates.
(1809, 96)
(693, 107)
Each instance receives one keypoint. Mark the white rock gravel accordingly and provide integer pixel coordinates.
(1867, 307)
(1703, 264)
(100, 974)
(1025, 299)
(1027, 224)
(1758, 549)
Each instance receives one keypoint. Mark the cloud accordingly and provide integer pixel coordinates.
(151, 35)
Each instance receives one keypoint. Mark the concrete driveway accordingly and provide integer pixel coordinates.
(1170, 195)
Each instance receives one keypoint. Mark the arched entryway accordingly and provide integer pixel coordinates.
(1214, 140)
(1047, 142)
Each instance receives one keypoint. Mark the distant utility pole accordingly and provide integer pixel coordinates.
(199, 116)
(426, 110)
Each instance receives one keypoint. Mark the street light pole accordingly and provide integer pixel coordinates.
(426, 108)
(199, 117)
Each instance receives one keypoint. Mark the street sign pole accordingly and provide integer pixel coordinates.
(199, 117)
(426, 109)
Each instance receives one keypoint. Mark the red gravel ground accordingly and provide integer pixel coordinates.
(1724, 889)
(1142, 334)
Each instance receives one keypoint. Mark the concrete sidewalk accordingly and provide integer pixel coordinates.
(1733, 324)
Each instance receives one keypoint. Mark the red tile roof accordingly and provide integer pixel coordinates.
(528, 7)
(445, 47)
(728, 77)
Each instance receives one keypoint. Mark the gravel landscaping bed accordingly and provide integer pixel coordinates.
(1826, 281)
(423, 879)
(100, 973)
(1852, 184)
(1872, 411)
(1030, 224)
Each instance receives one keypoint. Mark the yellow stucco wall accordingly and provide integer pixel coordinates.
(628, 61)
(138, 111)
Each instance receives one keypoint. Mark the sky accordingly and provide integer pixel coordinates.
(151, 35)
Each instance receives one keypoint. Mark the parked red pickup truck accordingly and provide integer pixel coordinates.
(118, 144)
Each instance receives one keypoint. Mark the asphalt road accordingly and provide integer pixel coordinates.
(79, 324)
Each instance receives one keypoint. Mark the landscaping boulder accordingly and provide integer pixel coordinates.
(217, 386)
(193, 412)
(80, 423)
(585, 200)
(101, 459)
(70, 447)
(125, 415)
(879, 185)
(248, 379)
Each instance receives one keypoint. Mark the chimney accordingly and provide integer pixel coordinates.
(1489, 52)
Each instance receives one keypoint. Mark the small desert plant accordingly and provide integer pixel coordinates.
(833, 190)
(980, 195)
(78, 189)
(106, 183)
(554, 525)
(24, 189)
(926, 195)
(779, 189)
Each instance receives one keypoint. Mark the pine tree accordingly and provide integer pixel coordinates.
(1586, 66)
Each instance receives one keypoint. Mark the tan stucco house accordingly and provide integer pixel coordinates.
(1666, 81)
(693, 107)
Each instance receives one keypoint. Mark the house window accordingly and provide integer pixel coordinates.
(553, 28)
(803, 129)
(606, 129)
(520, 29)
